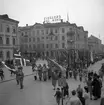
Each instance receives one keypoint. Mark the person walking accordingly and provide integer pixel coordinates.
(79, 90)
(74, 100)
(17, 76)
(21, 77)
(82, 99)
(58, 96)
(96, 87)
(86, 96)
(89, 84)
(1, 73)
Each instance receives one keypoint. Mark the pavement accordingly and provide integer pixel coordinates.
(35, 92)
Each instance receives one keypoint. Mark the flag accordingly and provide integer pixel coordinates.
(56, 64)
(67, 17)
(91, 55)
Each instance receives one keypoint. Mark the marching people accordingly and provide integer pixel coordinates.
(89, 84)
(79, 90)
(35, 73)
(54, 79)
(17, 76)
(86, 96)
(58, 96)
(82, 99)
(44, 72)
(40, 72)
(96, 87)
(74, 100)
(21, 77)
(66, 90)
(1, 73)
(80, 76)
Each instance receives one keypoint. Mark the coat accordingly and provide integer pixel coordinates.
(96, 87)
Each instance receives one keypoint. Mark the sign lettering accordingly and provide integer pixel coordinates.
(52, 19)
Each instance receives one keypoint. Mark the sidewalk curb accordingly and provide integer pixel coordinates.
(14, 78)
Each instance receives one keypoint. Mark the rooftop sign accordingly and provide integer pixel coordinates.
(52, 19)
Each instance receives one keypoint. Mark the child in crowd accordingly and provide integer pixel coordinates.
(58, 95)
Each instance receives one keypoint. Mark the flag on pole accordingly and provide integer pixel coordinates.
(67, 17)
(91, 56)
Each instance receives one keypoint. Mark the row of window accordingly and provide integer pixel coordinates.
(43, 46)
(7, 41)
(39, 39)
(43, 32)
(7, 29)
(7, 54)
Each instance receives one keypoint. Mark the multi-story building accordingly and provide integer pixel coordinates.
(94, 44)
(8, 37)
(47, 38)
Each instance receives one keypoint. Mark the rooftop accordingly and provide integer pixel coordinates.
(6, 17)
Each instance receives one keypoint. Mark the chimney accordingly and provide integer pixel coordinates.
(61, 20)
(26, 25)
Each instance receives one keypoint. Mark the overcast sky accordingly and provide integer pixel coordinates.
(86, 13)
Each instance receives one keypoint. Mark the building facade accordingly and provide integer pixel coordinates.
(47, 38)
(94, 44)
(8, 37)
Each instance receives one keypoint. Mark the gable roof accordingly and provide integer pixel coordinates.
(6, 17)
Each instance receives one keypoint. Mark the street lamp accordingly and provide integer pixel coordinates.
(70, 41)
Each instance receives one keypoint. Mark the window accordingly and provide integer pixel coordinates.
(38, 45)
(34, 46)
(42, 31)
(56, 45)
(14, 30)
(42, 37)
(26, 46)
(47, 53)
(37, 32)
(29, 39)
(1, 28)
(38, 39)
(46, 31)
(63, 45)
(1, 54)
(51, 37)
(22, 34)
(51, 53)
(13, 41)
(25, 39)
(33, 32)
(47, 37)
(55, 30)
(42, 45)
(51, 45)
(56, 37)
(7, 29)
(63, 37)
(25, 33)
(8, 54)
(30, 47)
(33, 39)
(51, 30)
(46, 45)
(1, 40)
(63, 30)
(7, 41)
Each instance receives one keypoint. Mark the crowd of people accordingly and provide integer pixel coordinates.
(92, 81)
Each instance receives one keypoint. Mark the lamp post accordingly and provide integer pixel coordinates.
(70, 41)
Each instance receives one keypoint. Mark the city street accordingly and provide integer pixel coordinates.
(35, 92)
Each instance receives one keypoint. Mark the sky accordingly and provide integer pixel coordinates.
(86, 13)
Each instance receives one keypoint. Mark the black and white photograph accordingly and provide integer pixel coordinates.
(51, 52)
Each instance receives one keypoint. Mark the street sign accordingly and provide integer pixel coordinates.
(62, 82)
